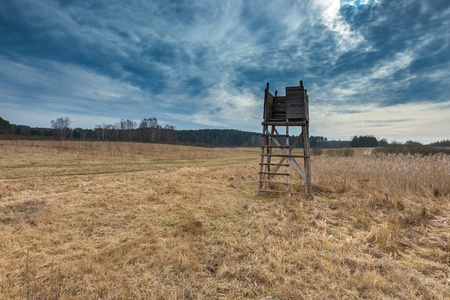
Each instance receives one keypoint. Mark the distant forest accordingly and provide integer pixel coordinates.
(149, 130)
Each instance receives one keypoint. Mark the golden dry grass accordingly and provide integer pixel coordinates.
(86, 220)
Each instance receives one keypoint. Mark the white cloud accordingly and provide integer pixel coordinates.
(346, 38)
(206, 63)
(419, 122)
(64, 87)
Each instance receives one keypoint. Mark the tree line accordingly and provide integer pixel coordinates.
(9, 129)
(443, 143)
(149, 130)
(238, 138)
(219, 137)
(367, 141)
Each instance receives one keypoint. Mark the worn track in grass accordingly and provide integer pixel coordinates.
(124, 220)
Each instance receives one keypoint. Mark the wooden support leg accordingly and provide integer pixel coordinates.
(288, 158)
(269, 150)
(261, 168)
(307, 158)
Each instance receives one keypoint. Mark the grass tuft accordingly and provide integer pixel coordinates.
(88, 220)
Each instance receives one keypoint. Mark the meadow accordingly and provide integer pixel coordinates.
(92, 220)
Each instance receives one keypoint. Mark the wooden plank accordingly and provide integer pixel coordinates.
(279, 144)
(274, 164)
(307, 160)
(280, 100)
(307, 107)
(284, 155)
(297, 103)
(269, 151)
(275, 182)
(268, 105)
(292, 160)
(274, 130)
(291, 90)
(299, 170)
(299, 138)
(290, 123)
(294, 163)
(289, 153)
(291, 147)
(296, 107)
(275, 173)
(275, 135)
(262, 157)
(275, 146)
(280, 164)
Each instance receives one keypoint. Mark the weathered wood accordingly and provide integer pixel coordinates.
(290, 147)
(262, 152)
(305, 130)
(275, 173)
(299, 138)
(269, 150)
(289, 123)
(275, 135)
(270, 142)
(288, 157)
(275, 146)
(284, 112)
(268, 104)
(295, 164)
(275, 164)
(283, 155)
(296, 107)
(276, 182)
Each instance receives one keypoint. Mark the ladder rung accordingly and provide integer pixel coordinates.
(282, 155)
(277, 182)
(289, 123)
(276, 135)
(274, 173)
(274, 164)
(275, 146)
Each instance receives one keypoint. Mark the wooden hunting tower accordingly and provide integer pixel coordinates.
(282, 112)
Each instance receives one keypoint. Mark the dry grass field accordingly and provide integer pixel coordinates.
(87, 220)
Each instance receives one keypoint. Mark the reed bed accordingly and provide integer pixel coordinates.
(86, 220)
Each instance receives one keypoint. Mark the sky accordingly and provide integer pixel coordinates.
(371, 67)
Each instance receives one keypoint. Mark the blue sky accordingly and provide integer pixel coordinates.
(377, 67)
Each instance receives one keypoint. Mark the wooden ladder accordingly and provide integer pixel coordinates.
(272, 173)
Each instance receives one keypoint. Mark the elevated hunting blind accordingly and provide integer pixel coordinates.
(282, 112)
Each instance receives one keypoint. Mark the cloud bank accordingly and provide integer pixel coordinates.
(371, 67)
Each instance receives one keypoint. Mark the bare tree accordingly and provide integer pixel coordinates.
(61, 127)
(168, 134)
(150, 130)
(122, 128)
(130, 127)
(98, 132)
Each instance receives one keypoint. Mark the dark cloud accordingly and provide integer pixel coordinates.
(414, 29)
(217, 56)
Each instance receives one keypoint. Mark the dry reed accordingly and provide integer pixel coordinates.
(82, 220)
